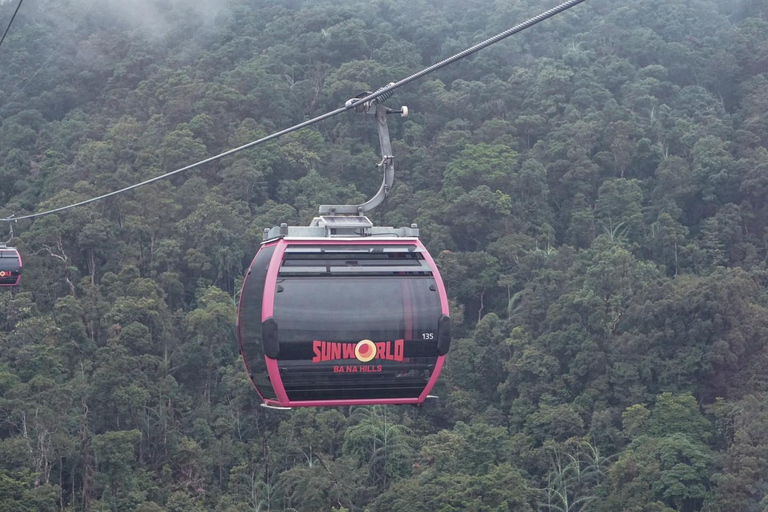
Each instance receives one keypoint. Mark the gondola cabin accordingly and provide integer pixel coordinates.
(10, 267)
(343, 321)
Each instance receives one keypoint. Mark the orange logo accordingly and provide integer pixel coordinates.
(3, 274)
(364, 350)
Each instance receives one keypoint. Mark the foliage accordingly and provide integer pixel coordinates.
(593, 190)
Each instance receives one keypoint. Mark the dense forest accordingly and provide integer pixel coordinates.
(593, 190)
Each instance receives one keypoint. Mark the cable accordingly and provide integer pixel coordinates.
(188, 167)
(379, 93)
(350, 105)
(49, 59)
(11, 22)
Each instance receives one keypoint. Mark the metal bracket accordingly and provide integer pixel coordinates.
(4, 244)
(275, 407)
(387, 165)
(349, 220)
(367, 107)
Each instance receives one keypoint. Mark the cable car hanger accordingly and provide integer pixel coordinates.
(345, 220)
(330, 316)
(387, 164)
(5, 244)
(357, 102)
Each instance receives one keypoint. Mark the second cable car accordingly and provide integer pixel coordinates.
(344, 313)
(10, 266)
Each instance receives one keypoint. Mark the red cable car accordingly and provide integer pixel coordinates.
(10, 266)
(342, 312)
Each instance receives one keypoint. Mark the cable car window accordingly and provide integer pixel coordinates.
(349, 309)
(250, 322)
(9, 261)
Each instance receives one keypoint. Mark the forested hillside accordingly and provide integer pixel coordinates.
(593, 190)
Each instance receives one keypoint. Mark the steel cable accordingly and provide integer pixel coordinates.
(11, 22)
(383, 92)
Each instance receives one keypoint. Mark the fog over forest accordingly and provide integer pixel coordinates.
(593, 191)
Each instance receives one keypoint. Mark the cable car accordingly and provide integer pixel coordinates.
(344, 313)
(10, 266)
(343, 321)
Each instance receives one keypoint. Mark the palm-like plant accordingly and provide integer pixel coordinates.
(377, 440)
(573, 477)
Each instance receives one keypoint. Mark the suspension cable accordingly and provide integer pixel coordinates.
(11, 22)
(25, 83)
(350, 105)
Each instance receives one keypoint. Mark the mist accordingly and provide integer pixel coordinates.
(160, 15)
(155, 18)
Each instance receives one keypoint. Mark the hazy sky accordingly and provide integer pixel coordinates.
(139, 12)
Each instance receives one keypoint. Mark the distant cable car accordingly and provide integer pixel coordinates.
(344, 313)
(10, 266)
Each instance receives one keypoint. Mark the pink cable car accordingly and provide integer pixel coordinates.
(10, 266)
(344, 313)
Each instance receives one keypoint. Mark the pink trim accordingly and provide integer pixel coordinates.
(432, 379)
(340, 403)
(270, 285)
(446, 311)
(356, 241)
(268, 310)
(21, 268)
(239, 332)
(277, 382)
(438, 279)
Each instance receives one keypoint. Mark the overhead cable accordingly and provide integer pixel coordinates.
(18, 6)
(384, 91)
(43, 65)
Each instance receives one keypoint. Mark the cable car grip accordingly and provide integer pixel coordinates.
(387, 164)
(10, 239)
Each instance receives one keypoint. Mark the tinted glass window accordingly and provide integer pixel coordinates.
(349, 309)
(249, 322)
(9, 260)
(340, 311)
